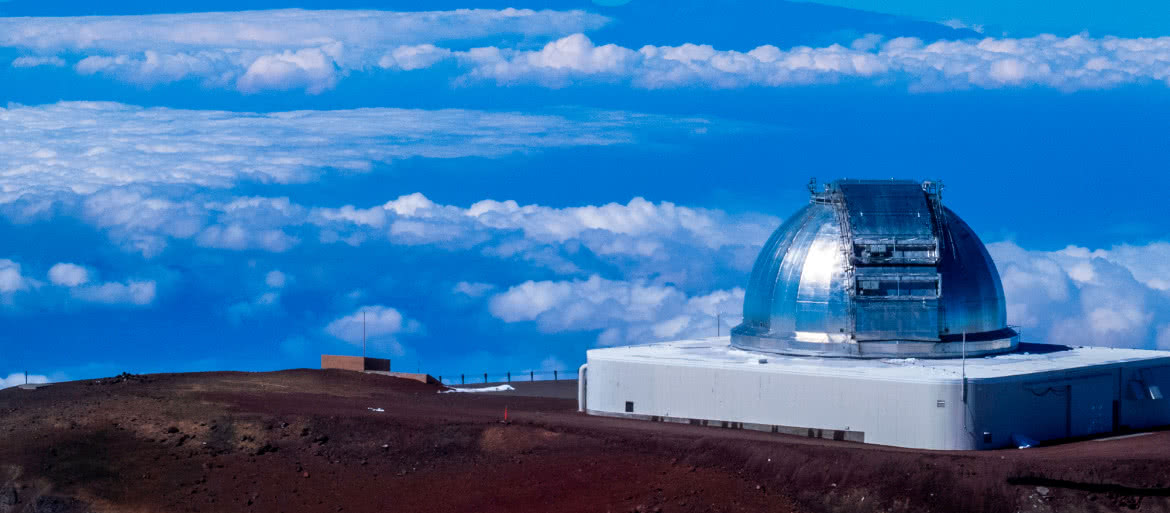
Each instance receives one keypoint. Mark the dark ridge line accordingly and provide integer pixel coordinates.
(1113, 488)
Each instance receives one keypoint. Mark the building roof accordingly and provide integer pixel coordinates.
(1027, 359)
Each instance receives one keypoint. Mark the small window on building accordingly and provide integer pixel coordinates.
(877, 288)
(878, 250)
(987, 437)
(942, 403)
(893, 286)
(920, 288)
(629, 406)
(1142, 390)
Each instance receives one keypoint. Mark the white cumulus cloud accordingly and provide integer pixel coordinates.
(687, 246)
(473, 289)
(11, 279)
(311, 69)
(553, 363)
(79, 283)
(413, 57)
(1163, 340)
(18, 378)
(642, 237)
(638, 227)
(138, 293)
(266, 302)
(275, 279)
(624, 312)
(32, 62)
(956, 23)
(381, 325)
(1077, 296)
(68, 275)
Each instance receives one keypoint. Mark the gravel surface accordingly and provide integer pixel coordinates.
(308, 440)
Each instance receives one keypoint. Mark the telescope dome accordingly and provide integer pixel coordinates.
(875, 269)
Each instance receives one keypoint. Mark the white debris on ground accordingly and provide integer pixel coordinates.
(497, 388)
(376, 410)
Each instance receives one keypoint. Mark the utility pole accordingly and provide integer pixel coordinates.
(363, 333)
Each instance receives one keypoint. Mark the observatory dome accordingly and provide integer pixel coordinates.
(875, 269)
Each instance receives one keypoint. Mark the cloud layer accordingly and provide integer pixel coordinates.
(81, 147)
(312, 50)
(72, 280)
(254, 51)
(289, 28)
(638, 228)
(131, 170)
(691, 247)
(1072, 63)
(1114, 297)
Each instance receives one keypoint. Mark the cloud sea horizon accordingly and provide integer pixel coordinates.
(502, 186)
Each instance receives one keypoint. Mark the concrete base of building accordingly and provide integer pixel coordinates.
(423, 378)
(1035, 394)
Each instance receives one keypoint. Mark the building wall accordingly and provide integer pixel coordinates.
(1072, 403)
(928, 413)
(887, 412)
(354, 363)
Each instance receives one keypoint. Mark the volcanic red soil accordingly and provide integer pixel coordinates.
(307, 441)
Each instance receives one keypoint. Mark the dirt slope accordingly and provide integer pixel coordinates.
(307, 440)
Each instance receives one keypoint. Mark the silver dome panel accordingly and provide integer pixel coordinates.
(875, 269)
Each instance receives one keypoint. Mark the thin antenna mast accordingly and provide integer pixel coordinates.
(363, 333)
(964, 367)
(718, 323)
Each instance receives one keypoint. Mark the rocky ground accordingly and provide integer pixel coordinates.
(308, 441)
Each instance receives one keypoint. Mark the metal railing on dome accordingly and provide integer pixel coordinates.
(506, 377)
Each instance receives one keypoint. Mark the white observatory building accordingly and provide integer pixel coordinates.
(875, 314)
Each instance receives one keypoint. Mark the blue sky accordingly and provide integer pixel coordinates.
(501, 186)
(1138, 18)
